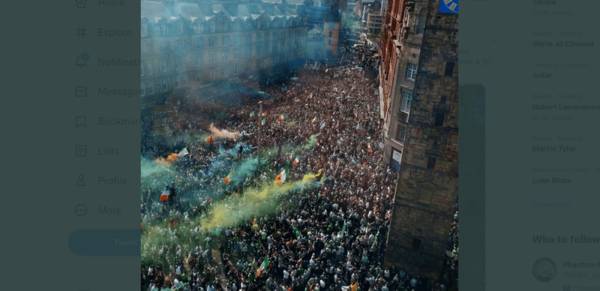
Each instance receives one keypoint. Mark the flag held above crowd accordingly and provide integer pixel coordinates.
(280, 178)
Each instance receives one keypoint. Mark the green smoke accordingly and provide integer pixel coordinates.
(154, 177)
(244, 170)
(312, 141)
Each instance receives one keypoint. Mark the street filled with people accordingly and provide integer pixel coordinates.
(286, 193)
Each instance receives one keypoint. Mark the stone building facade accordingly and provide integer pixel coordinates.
(371, 18)
(374, 21)
(201, 41)
(419, 98)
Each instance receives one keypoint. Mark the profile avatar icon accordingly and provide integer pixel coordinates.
(544, 270)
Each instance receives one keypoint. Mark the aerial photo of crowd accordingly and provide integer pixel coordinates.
(285, 193)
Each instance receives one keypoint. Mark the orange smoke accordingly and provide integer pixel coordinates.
(223, 133)
(168, 160)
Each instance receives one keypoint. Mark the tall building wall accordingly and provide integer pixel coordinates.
(387, 50)
(422, 137)
(209, 40)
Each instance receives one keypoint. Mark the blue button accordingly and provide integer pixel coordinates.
(108, 242)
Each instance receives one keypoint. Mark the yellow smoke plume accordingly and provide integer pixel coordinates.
(253, 202)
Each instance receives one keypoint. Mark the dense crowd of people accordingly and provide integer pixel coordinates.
(331, 238)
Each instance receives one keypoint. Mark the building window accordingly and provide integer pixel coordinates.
(401, 133)
(431, 163)
(226, 40)
(407, 96)
(420, 23)
(439, 118)
(396, 161)
(411, 71)
(449, 69)
(416, 244)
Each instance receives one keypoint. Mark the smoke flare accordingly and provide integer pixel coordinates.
(254, 202)
(223, 133)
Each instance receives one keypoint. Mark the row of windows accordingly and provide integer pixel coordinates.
(184, 27)
(439, 116)
(279, 40)
(396, 164)
(407, 97)
(411, 71)
(221, 56)
(439, 112)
